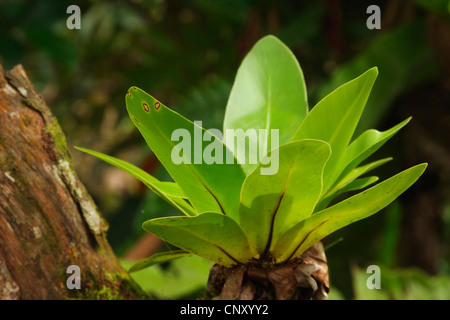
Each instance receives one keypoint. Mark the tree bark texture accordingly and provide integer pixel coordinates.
(48, 221)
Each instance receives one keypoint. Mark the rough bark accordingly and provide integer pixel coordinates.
(48, 221)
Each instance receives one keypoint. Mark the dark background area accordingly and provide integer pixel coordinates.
(186, 53)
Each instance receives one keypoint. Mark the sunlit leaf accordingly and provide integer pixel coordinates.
(334, 120)
(209, 187)
(169, 191)
(300, 237)
(212, 236)
(269, 92)
(358, 184)
(271, 204)
(350, 177)
(158, 258)
(365, 145)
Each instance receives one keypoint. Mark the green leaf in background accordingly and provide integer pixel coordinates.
(358, 184)
(169, 191)
(212, 236)
(300, 237)
(388, 253)
(349, 178)
(405, 59)
(357, 172)
(158, 258)
(209, 187)
(334, 120)
(365, 145)
(182, 278)
(259, 99)
(441, 7)
(401, 284)
(271, 204)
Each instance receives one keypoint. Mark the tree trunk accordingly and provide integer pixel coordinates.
(48, 221)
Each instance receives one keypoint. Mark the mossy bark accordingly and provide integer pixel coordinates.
(48, 221)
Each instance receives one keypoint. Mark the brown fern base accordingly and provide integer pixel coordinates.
(303, 278)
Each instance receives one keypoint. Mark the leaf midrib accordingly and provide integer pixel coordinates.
(191, 168)
(277, 207)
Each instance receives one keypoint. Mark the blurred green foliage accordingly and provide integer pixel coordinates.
(401, 56)
(186, 53)
(409, 284)
(184, 278)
